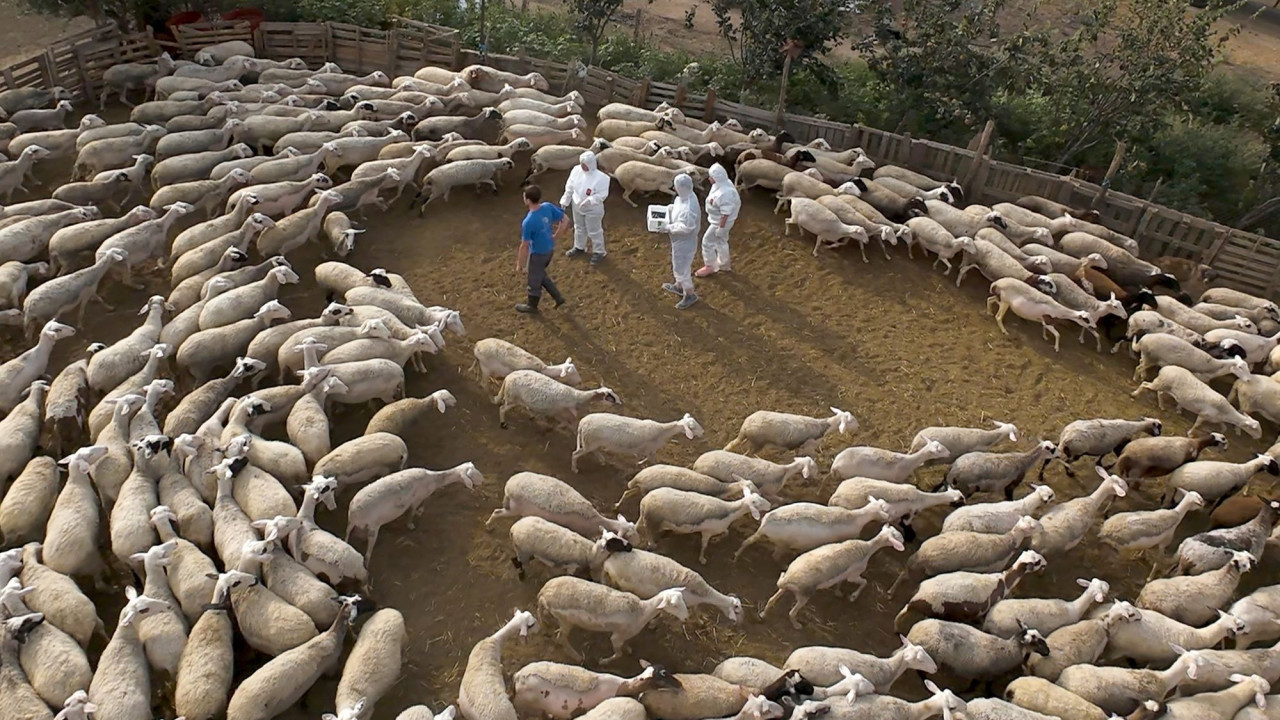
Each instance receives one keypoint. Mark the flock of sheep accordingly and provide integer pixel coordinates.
(175, 490)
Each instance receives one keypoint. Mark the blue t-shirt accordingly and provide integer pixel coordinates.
(537, 228)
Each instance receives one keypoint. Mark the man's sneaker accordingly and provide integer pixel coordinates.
(687, 301)
(596, 258)
(672, 288)
(560, 301)
(575, 252)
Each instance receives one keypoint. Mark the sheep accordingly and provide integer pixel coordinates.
(1235, 701)
(539, 137)
(1031, 304)
(59, 143)
(239, 303)
(878, 464)
(917, 180)
(361, 459)
(890, 204)
(690, 512)
(549, 157)
(200, 259)
(55, 665)
(1051, 209)
(26, 505)
(398, 493)
(967, 596)
(628, 436)
(1144, 530)
(905, 501)
(121, 686)
(786, 431)
(1258, 610)
(562, 550)
(18, 99)
(57, 597)
(268, 623)
(282, 681)
(1195, 600)
(486, 125)
(483, 693)
(68, 244)
(972, 653)
(574, 602)
(194, 166)
(1156, 350)
(206, 350)
(801, 527)
(38, 119)
(1257, 394)
(545, 397)
(20, 431)
(646, 574)
(1064, 525)
(529, 493)
(71, 535)
(768, 477)
(1198, 322)
(441, 180)
(21, 698)
(205, 195)
(17, 374)
(373, 667)
(827, 567)
(549, 689)
(397, 417)
(498, 358)
(1215, 480)
(27, 239)
(355, 195)
(200, 233)
(964, 550)
(171, 87)
(187, 566)
(1212, 549)
(995, 262)
(1193, 396)
(1121, 690)
(998, 517)
(995, 472)
(163, 633)
(105, 153)
(1045, 615)
(812, 216)
(1081, 642)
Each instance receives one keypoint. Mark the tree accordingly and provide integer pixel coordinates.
(592, 18)
(766, 27)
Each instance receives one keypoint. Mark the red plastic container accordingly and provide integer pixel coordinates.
(253, 15)
(183, 18)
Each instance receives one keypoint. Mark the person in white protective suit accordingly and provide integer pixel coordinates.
(723, 204)
(683, 218)
(585, 193)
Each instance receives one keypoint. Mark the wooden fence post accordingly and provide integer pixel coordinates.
(393, 51)
(641, 93)
(709, 108)
(610, 83)
(457, 54)
(1144, 218)
(635, 33)
(976, 177)
(678, 100)
(1106, 180)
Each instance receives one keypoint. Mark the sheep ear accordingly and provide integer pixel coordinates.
(1082, 582)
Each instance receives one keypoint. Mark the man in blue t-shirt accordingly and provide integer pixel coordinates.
(537, 245)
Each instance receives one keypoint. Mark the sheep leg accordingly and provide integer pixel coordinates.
(947, 262)
(992, 300)
(1195, 426)
(373, 539)
(755, 538)
(772, 601)
(501, 512)
(573, 460)
(619, 648)
(562, 637)
(1004, 309)
(802, 599)
(964, 270)
(706, 540)
(863, 247)
(817, 243)
(502, 415)
(626, 195)
(1057, 337)
(885, 249)
(861, 584)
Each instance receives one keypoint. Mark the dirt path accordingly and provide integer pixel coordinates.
(25, 32)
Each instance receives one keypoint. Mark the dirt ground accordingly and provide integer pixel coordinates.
(892, 341)
(25, 32)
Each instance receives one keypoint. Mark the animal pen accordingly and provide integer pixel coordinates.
(1243, 260)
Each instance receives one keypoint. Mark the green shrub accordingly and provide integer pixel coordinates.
(365, 13)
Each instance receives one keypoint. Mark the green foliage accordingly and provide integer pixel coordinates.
(365, 13)
(1208, 169)
(765, 26)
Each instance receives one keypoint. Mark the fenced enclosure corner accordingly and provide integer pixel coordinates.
(1243, 260)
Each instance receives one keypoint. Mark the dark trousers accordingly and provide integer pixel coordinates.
(538, 277)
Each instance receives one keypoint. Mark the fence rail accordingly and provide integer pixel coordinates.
(1243, 260)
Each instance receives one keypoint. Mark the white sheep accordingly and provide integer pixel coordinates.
(577, 603)
(768, 477)
(1193, 396)
(373, 666)
(441, 180)
(17, 374)
(528, 493)
(765, 428)
(498, 358)
(879, 464)
(811, 216)
(121, 686)
(829, 566)
(803, 526)
(645, 178)
(400, 493)
(628, 436)
(686, 512)
(1031, 304)
(364, 458)
(646, 574)
(545, 397)
(1155, 350)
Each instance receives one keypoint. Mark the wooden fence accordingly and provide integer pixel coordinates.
(1243, 260)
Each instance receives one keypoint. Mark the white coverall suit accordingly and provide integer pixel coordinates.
(723, 204)
(683, 219)
(585, 193)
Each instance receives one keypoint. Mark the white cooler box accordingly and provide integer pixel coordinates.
(657, 218)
